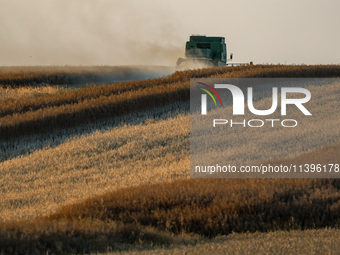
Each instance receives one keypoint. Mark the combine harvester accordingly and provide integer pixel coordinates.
(202, 51)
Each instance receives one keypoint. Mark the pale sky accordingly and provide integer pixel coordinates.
(154, 32)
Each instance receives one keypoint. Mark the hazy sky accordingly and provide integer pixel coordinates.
(154, 32)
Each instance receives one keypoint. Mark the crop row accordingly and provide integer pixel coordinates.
(101, 102)
(73, 97)
(207, 207)
(67, 75)
(87, 111)
(211, 207)
(76, 96)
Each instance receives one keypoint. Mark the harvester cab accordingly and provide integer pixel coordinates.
(203, 51)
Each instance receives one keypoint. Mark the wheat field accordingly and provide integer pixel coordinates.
(150, 152)
(126, 176)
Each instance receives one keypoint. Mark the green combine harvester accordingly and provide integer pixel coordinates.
(204, 51)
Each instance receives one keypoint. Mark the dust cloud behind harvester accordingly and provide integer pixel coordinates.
(87, 33)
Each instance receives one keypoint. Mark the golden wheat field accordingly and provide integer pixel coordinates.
(105, 168)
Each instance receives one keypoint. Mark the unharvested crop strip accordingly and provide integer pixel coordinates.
(87, 111)
(72, 97)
